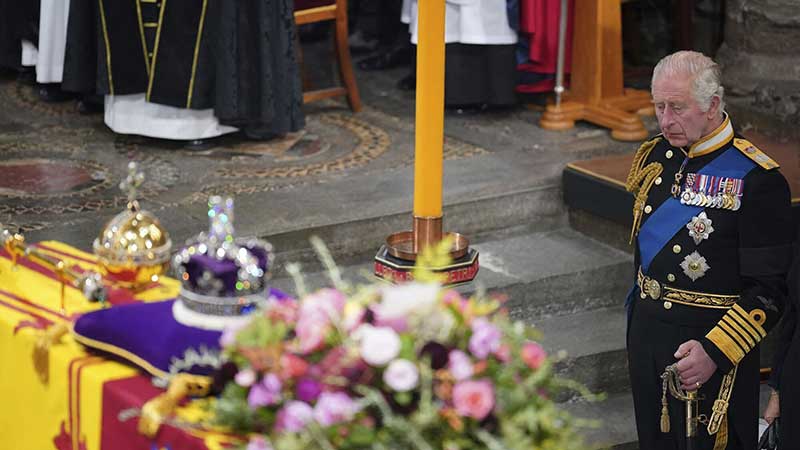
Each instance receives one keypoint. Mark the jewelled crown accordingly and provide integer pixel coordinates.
(222, 275)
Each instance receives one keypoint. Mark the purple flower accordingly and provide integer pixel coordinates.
(308, 390)
(401, 375)
(265, 393)
(485, 338)
(294, 417)
(333, 408)
(258, 443)
(460, 365)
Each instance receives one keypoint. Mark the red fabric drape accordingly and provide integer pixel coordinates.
(539, 26)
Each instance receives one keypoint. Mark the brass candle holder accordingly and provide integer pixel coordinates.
(397, 257)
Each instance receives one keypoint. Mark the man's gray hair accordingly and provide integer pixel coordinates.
(703, 71)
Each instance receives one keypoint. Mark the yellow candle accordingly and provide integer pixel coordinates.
(429, 128)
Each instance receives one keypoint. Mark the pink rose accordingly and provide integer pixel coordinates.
(503, 353)
(317, 311)
(473, 398)
(485, 338)
(533, 354)
(294, 417)
(292, 366)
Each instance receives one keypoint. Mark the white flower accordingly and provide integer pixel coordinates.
(378, 345)
(411, 298)
(245, 378)
(401, 375)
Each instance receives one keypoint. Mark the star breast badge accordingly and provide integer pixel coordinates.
(694, 266)
(700, 227)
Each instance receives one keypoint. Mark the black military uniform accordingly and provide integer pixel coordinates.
(713, 243)
(786, 365)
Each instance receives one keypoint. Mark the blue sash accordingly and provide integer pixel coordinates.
(671, 216)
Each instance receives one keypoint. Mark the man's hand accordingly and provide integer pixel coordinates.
(695, 366)
(773, 408)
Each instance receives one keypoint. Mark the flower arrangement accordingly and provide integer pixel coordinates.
(414, 366)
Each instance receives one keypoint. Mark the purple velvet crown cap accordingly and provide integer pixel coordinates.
(223, 275)
(224, 270)
(206, 274)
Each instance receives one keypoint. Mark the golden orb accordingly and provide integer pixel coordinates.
(133, 248)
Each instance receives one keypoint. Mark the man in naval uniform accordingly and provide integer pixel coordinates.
(713, 234)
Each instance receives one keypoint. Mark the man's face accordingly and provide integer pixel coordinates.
(679, 116)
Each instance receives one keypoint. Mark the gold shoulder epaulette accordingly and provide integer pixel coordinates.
(752, 152)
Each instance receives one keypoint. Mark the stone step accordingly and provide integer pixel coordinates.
(615, 426)
(594, 343)
(479, 218)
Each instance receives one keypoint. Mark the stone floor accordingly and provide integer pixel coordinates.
(61, 170)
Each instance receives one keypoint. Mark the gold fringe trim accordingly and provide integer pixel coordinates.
(640, 181)
(41, 349)
(722, 436)
(159, 408)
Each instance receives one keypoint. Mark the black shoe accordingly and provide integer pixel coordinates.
(467, 110)
(198, 145)
(360, 43)
(407, 83)
(27, 75)
(91, 104)
(52, 93)
(395, 57)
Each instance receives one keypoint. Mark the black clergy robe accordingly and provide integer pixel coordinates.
(19, 20)
(237, 57)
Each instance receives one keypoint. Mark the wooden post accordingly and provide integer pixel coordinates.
(597, 93)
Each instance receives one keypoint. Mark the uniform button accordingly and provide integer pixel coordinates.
(669, 154)
(667, 305)
(676, 248)
(658, 181)
(648, 209)
(670, 277)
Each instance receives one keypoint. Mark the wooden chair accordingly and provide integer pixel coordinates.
(311, 11)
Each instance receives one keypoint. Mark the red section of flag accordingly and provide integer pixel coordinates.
(64, 441)
(132, 393)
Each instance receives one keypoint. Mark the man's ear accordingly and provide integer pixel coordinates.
(713, 107)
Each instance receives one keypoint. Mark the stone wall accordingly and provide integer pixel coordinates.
(760, 60)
